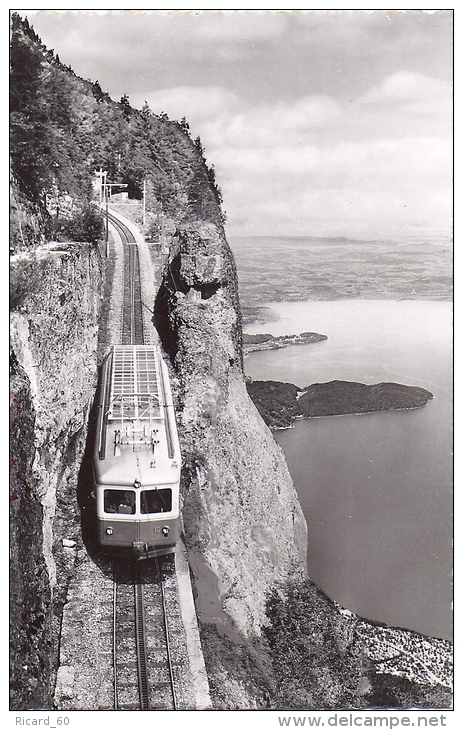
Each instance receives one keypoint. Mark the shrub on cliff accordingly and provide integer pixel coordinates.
(392, 691)
(24, 280)
(320, 663)
(316, 664)
(85, 226)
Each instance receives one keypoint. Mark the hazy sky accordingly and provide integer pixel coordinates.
(317, 122)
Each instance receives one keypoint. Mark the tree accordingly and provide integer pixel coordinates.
(184, 126)
(86, 226)
(28, 114)
(98, 92)
(146, 111)
(199, 146)
(125, 104)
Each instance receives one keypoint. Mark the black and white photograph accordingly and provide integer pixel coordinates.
(231, 367)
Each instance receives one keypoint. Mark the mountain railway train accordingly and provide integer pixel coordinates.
(136, 461)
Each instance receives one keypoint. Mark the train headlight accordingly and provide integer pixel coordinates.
(165, 531)
(109, 530)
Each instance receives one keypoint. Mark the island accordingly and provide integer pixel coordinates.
(281, 404)
(254, 343)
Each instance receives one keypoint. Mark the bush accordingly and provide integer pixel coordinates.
(24, 280)
(316, 664)
(87, 226)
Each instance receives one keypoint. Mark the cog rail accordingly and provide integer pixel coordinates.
(143, 669)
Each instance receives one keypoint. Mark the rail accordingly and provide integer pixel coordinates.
(132, 311)
(126, 682)
(141, 643)
(166, 632)
(143, 671)
(124, 232)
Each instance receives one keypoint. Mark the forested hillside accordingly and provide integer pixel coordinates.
(64, 129)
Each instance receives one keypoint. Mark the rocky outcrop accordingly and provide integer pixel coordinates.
(244, 528)
(54, 334)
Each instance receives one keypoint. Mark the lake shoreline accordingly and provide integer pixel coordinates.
(341, 415)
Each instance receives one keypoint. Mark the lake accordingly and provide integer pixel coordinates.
(376, 489)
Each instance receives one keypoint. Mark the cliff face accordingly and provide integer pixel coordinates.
(244, 528)
(54, 331)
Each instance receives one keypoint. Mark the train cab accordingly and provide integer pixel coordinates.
(137, 460)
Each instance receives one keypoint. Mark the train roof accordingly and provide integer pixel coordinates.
(137, 435)
(135, 388)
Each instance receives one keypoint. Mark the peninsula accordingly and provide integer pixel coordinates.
(254, 343)
(280, 404)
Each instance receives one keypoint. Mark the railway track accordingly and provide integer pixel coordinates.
(124, 232)
(132, 311)
(144, 677)
(142, 662)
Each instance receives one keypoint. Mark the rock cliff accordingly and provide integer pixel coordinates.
(269, 636)
(244, 528)
(54, 333)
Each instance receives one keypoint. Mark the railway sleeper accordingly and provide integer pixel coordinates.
(159, 674)
(126, 649)
(127, 688)
(129, 704)
(127, 672)
(153, 652)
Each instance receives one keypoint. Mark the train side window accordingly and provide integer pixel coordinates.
(155, 500)
(119, 502)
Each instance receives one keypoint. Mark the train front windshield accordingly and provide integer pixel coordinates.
(156, 500)
(124, 502)
(117, 501)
